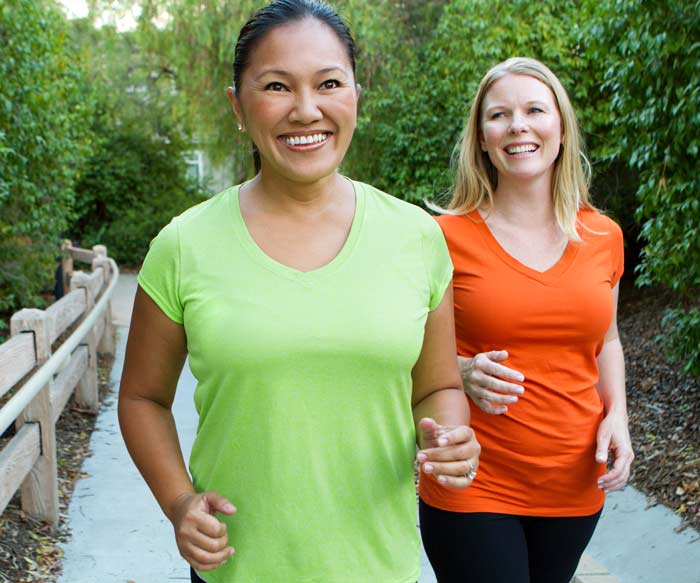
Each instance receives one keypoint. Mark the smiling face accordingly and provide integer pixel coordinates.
(298, 101)
(521, 128)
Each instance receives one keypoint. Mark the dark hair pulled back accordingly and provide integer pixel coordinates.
(280, 13)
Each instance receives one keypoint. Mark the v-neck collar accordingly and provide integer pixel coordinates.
(550, 275)
(263, 259)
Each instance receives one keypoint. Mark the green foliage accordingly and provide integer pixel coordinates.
(136, 179)
(651, 51)
(135, 185)
(198, 46)
(682, 337)
(44, 140)
(411, 122)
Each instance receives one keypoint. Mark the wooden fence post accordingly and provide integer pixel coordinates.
(86, 394)
(40, 487)
(66, 264)
(106, 343)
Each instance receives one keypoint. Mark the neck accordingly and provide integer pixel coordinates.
(275, 195)
(525, 202)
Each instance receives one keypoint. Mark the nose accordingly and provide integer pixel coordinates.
(306, 108)
(517, 124)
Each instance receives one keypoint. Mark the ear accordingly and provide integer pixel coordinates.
(482, 142)
(358, 89)
(235, 104)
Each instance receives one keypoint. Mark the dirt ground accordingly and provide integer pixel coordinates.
(664, 410)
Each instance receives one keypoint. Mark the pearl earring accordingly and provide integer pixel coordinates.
(240, 128)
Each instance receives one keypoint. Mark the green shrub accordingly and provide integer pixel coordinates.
(411, 122)
(651, 52)
(134, 186)
(44, 140)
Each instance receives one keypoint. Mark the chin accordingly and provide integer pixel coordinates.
(310, 173)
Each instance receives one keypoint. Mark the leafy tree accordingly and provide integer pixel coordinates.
(136, 179)
(44, 141)
(414, 118)
(134, 186)
(651, 52)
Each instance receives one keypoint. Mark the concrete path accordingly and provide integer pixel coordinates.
(119, 534)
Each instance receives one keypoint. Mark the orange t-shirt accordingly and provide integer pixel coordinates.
(538, 459)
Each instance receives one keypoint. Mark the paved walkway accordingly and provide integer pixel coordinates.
(119, 534)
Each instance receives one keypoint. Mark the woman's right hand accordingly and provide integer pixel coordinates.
(202, 539)
(485, 380)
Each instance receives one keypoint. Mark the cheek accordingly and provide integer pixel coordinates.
(261, 113)
(553, 131)
(346, 108)
(491, 136)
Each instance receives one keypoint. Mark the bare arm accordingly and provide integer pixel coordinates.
(613, 433)
(155, 354)
(440, 410)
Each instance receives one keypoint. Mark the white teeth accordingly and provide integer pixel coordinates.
(521, 149)
(302, 140)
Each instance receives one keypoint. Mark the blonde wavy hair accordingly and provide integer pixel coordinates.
(476, 177)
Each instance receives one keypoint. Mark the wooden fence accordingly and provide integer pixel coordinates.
(48, 378)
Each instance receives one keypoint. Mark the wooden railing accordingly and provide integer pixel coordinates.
(47, 379)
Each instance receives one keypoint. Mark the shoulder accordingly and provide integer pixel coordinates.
(459, 228)
(203, 213)
(198, 220)
(597, 225)
(396, 211)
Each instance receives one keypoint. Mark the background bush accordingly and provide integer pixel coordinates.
(135, 180)
(133, 187)
(96, 150)
(651, 53)
(44, 142)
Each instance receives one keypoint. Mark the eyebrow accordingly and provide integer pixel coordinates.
(283, 73)
(531, 102)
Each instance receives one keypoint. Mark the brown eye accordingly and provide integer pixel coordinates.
(275, 86)
(330, 84)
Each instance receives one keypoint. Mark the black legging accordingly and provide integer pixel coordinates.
(482, 547)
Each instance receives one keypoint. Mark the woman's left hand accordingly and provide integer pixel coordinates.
(614, 436)
(450, 453)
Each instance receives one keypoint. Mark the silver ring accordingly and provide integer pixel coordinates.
(472, 471)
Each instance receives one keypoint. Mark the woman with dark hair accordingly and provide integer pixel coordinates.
(537, 271)
(316, 313)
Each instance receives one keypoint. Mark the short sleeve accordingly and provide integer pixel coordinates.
(617, 255)
(437, 261)
(160, 274)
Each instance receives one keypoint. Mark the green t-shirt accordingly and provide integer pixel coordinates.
(304, 386)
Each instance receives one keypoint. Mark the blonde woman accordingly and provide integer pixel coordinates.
(535, 292)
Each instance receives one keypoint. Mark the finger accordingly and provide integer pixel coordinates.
(495, 355)
(456, 469)
(206, 559)
(602, 447)
(431, 429)
(454, 435)
(204, 566)
(487, 407)
(215, 502)
(618, 473)
(485, 380)
(615, 484)
(490, 365)
(450, 453)
(208, 543)
(455, 482)
(210, 526)
(499, 398)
